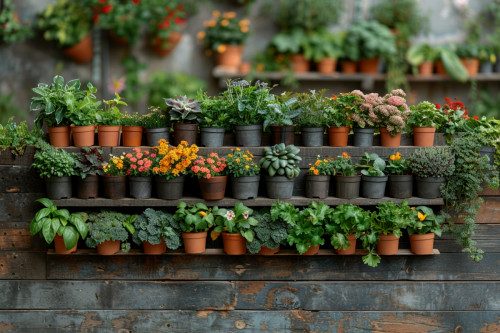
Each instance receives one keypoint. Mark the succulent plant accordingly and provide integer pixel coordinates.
(282, 160)
(183, 109)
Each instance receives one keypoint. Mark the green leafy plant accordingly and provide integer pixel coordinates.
(308, 230)
(269, 233)
(89, 162)
(325, 44)
(432, 162)
(51, 221)
(214, 111)
(183, 109)
(451, 63)
(111, 114)
(372, 165)
(371, 38)
(343, 165)
(294, 41)
(339, 110)
(402, 15)
(156, 118)
(424, 114)
(237, 220)
(17, 136)
(53, 162)
(468, 50)
(281, 160)
(109, 225)
(13, 30)
(240, 163)
(66, 22)
(345, 220)
(397, 165)
(133, 119)
(194, 218)
(154, 225)
(222, 30)
(313, 106)
(281, 111)
(418, 54)
(425, 221)
(171, 84)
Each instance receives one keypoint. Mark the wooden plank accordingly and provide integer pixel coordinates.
(7, 158)
(19, 207)
(445, 267)
(16, 236)
(20, 179)
(489, 211)
(251, 295)
(294, 321)
(22, 265)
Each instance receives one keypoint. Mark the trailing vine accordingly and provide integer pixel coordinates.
(461, 192)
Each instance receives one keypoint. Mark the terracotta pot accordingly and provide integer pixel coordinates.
(313, 250)
(471, 65)
(351, 249)
(265, 251)
(108, 248)
(60, 247)
(440, 68)
(185, 132)
(81, 52)
(194, 242)
(369, 66)
(164, 46)
(426, 68)
(234, 244)
(245, 68)
(230, 59)
(348, 67)
(114, 187)
(423, 136)
(326, 65)
(299, 63)
(154, 249)
(422, 244)
(213, 188)
(83, 136)
(338, 136)
(387, 140)
(282, 134)
(59, 136)
(388, 245)
(87, 188)
(108, 136)
(132, 136)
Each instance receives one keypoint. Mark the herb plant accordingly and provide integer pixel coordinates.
(111, 114)
(312, 107)
(156, 118)
(53, 162)
(154, 225)
(371, 38)
(424, 114)
(281, 111)
(12, 29)
(345, 220)
(214, 111)
(308, 230)
(194, 218)
(372, 165)
(18, 136)
(268, 233)
(432, 162)
(133, 119)
(108, 225)
(343, 165)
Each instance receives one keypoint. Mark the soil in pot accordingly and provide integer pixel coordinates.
(422, 244)
(59, 136)
(213, 188)
(234, 244)
(60, 247)
(388, 245)
(195, 242)
(108, 248)
(108, 136)
(154, 249)
(351, 249)
(83, 136)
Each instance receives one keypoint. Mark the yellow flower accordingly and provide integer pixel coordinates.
(244, 22)
(312, 168)
(202, 213)
(230, 156)
(247, 167)
(392, 157)
(238, 149)
(224, 22)
(421, 216)
(215, 14)
(201, 35)
(398, 156)
(325, 160)
(229, 15)
(221, 48)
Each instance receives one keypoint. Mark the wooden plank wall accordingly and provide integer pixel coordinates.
(44, 292)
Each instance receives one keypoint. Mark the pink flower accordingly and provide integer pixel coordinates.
(195, 168)
(117, 85)
(153, 155)
(396, 100)
(133, 166)
(210, 160)
(129, 155)
(214, 168)
(209, 176)
(213, 154)
(138, 155)
(136, 150)
(229, 215)
(133, 160)
(140, 162)
(219, 163)
(142, 169)
(148, 163)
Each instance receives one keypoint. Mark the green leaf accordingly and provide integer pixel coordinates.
(371, 259)
(70, 236)
(248, 234)
(453, 66)
(45, 201)
(36, 225)
(47, 231)
(77, 220)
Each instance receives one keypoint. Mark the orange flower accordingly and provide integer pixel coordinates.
(215, 14)
(398, 156)
(316, 172)
(221, 48)
(392, 157)
(202, 213)
(224, 22)
(317, 163)
(421, 216)
(345, 155)
(244, 29)
(201, 35)
(229, 15)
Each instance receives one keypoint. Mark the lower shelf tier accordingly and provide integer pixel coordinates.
(228, 202)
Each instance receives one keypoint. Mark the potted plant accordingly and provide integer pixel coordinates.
(469, 57)
(326, 49)
(156, 126)
(131, 130)
(345, 223)
(295, 44)
(448, 63)
(278, 118)
(307, 232)
(156, 230)
(422, 229)
(373, 40)
(214, 119)
(109, 231)
(165, 28)
(270, 232)
(423, 119)
(421, 57)
(337, 114)
(391, 115)
(194, 220)
(172, 84)
(13, 31)
(364, 117)
(487, 59)
(185, 113)
(312, 117)
(114, 180)
(373, 177)
(400, 177)
(347, 181)
(16, 137)
(318, 177)
(388, 223)
(281, 165)
(58, 225)
(109, 121)
(212, 175)
(225, 35)
(170, 165)
(56, 166)
(245, 113)
(88, 168)
(244, 174)
(139, 171)
(456, 119)
(430, 166)
(236, 226)
(69, 24)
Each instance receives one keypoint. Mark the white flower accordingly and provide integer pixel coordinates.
(245, 215)
(229, 215)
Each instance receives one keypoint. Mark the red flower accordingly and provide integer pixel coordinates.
(106, 9)
(437, 106)
(180, 21)
(466, 112)
(475, 118)
(164, 25)
(446, 99)
(136, 2)
(465, 117)
(95, 18)
(459, 104)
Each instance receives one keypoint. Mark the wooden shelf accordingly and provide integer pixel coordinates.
(215, 252)
(229, 202)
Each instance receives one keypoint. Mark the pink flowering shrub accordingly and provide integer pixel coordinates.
(209, 167)
(363, 112)
(139, 162)
(392, 112)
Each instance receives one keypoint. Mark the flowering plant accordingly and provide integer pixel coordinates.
(241, 164)
(132, 119)
(322, 166)
(362, 109)
(343, 165)
(139, 162)
(115, 166)
(155, 119)
(211, 166)
(425, 114)
(237, 220)
(397, 165)
(165, 20)
(170, 161)
(222, 30)
(340, 109)
(456, 118)
(425, 221)
(391, 113)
